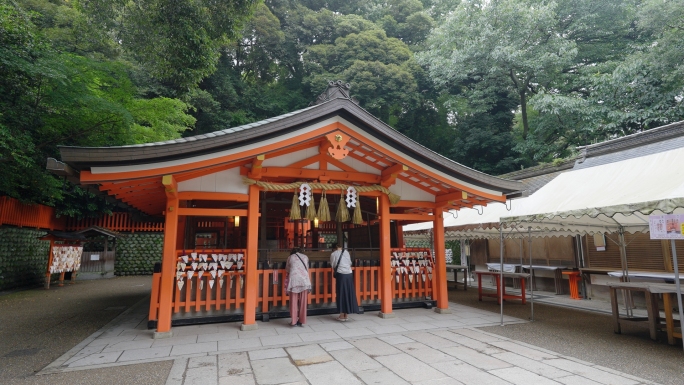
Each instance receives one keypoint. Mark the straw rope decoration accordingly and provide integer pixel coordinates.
(311, 210)
(357, 219)
(295, 212)
(323, 209)
(342, 214)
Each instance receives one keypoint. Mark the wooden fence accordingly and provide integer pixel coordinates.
(13, 212)
(230, 296)
(115, 222)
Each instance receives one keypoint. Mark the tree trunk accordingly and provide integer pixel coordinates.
(523, 111)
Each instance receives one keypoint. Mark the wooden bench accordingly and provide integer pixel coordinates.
(497, 277)
(653, 320)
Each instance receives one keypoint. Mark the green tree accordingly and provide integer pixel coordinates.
(179, 42)
(635, 86)
(380, 68)
(50, 97)
(487, 41)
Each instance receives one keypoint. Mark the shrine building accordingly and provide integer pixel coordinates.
(235, 201)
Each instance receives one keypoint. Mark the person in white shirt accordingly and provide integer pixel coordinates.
(340, 260)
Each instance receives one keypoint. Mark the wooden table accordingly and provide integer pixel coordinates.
(653, 320)
(557, 275)
(496, 275)
(456, 269)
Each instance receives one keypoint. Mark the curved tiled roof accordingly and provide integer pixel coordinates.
(85, 157)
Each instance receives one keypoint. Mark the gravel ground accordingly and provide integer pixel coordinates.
(587, 336)
(37, 326)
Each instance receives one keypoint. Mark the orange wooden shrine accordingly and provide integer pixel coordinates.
(219, 195)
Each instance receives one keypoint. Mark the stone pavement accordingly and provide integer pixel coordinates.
(419, 346)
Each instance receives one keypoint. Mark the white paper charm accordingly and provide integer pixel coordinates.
(211, 283)
(304, 194)
(351, 197)
(180, 284)
(194, 265)
(184, 258)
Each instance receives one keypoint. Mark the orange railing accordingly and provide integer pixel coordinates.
(231, 297)
(13, 212)
(115, 222)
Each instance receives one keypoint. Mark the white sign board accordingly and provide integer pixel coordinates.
(666, 226)
(94, 257)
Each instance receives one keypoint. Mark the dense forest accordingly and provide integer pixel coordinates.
(496, 85)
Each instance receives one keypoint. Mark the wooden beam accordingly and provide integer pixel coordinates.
(212, 212)
(255, 172)
(114, 187)
(212, 196)
(209, 170)
(305, 162)
(323, 147)
(339, 164)
(403, 203)
(451, 197)
(158, 190)
(364, 160)
(390, 174)
(142, 198)
(342, 176)
(170, 186)
(411, 217)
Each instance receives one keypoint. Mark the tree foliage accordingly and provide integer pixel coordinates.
(493, 84)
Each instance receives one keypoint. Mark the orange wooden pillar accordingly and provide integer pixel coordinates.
(385, 272)
(168, 259)
(251, 276)
(439, 283)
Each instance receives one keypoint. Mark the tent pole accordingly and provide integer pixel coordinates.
(625, 269)
(501, 277)
(678, 286)
(529, 246)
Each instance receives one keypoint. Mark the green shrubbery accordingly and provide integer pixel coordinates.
(136, 253)
(23, 257)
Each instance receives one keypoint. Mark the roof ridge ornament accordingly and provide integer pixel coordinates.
(336, 90)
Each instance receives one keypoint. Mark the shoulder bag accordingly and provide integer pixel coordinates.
(336, 275)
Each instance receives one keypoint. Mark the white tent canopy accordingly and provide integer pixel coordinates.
(470, 224)
(604, 198)
(614, 197)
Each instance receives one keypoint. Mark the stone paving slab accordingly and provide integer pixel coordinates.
(424, 348)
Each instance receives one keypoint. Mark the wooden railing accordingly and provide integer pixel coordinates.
(13, 212)
(115, 222)
(231, 298)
